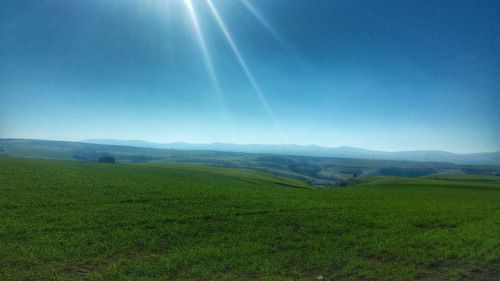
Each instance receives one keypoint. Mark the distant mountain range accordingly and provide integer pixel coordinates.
(486, 158)
(314, 165)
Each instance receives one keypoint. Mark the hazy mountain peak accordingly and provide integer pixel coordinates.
(492, 158)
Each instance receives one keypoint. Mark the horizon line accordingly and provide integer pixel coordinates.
(247, 144)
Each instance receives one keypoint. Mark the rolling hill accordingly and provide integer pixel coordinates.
(487, 158)
(74, 220)
(313, 170)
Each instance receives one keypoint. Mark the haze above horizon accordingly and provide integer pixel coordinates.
(152, 144)
(381, 75)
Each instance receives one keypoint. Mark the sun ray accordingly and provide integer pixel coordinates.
(203, 46)
(210, 69)
(244, 66)
(265, 23)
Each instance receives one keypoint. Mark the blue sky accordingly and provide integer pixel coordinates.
(388, 75)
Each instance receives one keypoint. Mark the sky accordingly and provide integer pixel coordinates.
(387, 75)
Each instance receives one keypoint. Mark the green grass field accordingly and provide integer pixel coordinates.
(69, 220)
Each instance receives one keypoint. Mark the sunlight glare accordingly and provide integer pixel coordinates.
(244, 66)
(207, 60)
(265, 23)
(203, 45)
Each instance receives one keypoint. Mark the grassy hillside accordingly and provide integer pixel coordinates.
(69, 220)
(316, 171)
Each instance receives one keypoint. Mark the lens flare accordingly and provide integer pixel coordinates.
(207, 60)
(244, 66)
(265, 23)
(203, 45)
